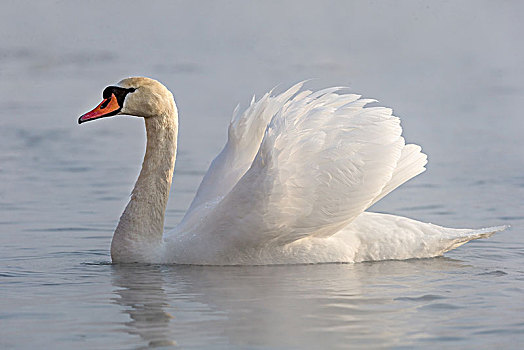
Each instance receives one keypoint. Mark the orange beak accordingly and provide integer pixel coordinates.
(106, 108)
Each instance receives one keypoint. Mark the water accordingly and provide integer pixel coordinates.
(452, 72)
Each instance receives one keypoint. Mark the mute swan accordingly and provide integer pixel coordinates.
(290, 186)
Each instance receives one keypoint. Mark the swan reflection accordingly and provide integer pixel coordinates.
(282, 306)
(143, 298)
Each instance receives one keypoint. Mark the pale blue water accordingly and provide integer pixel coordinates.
(452, 72)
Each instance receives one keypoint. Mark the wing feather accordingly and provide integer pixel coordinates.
(245, 134)
(323, 159)
(410, 164)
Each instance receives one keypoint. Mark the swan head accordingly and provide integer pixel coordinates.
(137, 96)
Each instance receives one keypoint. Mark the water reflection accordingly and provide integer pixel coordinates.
(292, 306)
(141, 294)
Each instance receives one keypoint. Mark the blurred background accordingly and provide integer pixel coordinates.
(452, 71)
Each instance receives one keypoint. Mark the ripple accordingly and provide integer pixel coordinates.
(423, 207)
(510, 218)
(427, 297)
(64, 229)
(496, 273)
(444, 213)
(15, 53)
(10, 275)
(98, 263)
(498, 331)
(443, 338)
(77, 169)
(441, 306)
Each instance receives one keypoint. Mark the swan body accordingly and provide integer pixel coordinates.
(291, 185)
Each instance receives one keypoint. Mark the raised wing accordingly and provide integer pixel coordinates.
(245, 134)
(323, 160)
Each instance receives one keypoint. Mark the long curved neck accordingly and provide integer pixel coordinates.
(142, 222)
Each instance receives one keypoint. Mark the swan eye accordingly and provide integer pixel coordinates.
(105, 103)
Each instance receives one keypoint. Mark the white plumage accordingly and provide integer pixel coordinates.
(291, 186)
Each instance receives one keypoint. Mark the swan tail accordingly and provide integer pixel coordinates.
(471, 236)
(388, 237)
(411, 163)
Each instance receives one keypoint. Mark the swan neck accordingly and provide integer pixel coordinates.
(142, 222)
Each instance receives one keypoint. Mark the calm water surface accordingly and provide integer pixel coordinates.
(453, 73)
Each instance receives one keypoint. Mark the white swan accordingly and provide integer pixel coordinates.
(290, 186)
